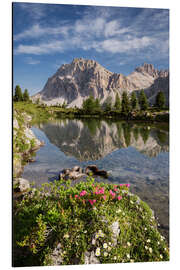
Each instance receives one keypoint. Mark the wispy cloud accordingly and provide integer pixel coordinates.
(42, 48)
(31, 61)
(101, 31)
(35, 11)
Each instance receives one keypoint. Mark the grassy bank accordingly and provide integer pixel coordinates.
(41, 113)
(103, 223)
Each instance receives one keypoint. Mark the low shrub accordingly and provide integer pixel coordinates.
(79, 219)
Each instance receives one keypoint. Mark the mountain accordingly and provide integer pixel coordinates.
(74, 82)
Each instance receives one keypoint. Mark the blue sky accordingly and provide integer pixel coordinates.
(45, 36)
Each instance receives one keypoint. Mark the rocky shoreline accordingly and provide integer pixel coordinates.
(25, 143)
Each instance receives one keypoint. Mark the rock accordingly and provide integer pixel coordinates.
(15, 123)
(94, 169)
(73, 173)
(91, 168)
(115, 231)
(90, 258)
(56, 256)
(21, 185)
(74, 82)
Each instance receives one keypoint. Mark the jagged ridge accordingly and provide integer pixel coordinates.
(74, 82)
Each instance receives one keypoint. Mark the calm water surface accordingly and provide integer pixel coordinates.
(132, 153)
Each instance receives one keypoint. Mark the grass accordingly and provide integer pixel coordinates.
(79, 218)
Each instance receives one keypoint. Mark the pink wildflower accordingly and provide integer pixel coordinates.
(121, 185)
(76, 196)
(127, 185)
(104, 197)
(115, 189)
(119, 198)
(112, 193)
(92, 201)
(82, 193)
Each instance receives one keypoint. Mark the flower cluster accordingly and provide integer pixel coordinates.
(99, 193)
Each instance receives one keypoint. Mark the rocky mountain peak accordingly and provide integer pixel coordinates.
(148, 68)
(75, 82)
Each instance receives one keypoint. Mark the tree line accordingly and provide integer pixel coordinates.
(20, 96)
(125, 104)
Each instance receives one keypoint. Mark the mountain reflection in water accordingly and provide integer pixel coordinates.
(94, 139)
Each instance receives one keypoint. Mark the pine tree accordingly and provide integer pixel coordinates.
(89, 104)
(125, 105)
(108, 104)
(26, 95)
(18, 94)
(97, 105)
(134, 101)
(117, 104)
(160, 100)
(143, 101)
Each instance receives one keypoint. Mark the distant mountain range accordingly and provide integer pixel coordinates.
(74, 82)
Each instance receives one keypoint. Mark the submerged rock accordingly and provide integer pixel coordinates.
(78, 172)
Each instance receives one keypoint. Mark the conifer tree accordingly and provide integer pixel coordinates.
(108, 104)
(18, 94)
(117, 104)
(134, 101)
(143, 101)
(160, 100)
(26, 95)
(125, 105)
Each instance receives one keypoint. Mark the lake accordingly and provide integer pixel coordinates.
(135, 153)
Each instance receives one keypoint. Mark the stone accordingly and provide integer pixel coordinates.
(94, 169)
(56, 257)
(115, 231)
(21, 185)
(90, 258)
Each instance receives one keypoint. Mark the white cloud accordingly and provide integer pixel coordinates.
(35, 10)
(42, 48)
(101, 32)
(31, 61)
(122, 46)
(37, 31)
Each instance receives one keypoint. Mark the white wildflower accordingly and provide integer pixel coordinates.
(146, 247)
(131, 261)
(115, 258)
(105, 245)
(145, 229)
(97, 252)
(66, 235)
(161, 256)
(109, 248)
(105, 254)
(150, 250)
(148, 241)
(128, 256)
(129, 244)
